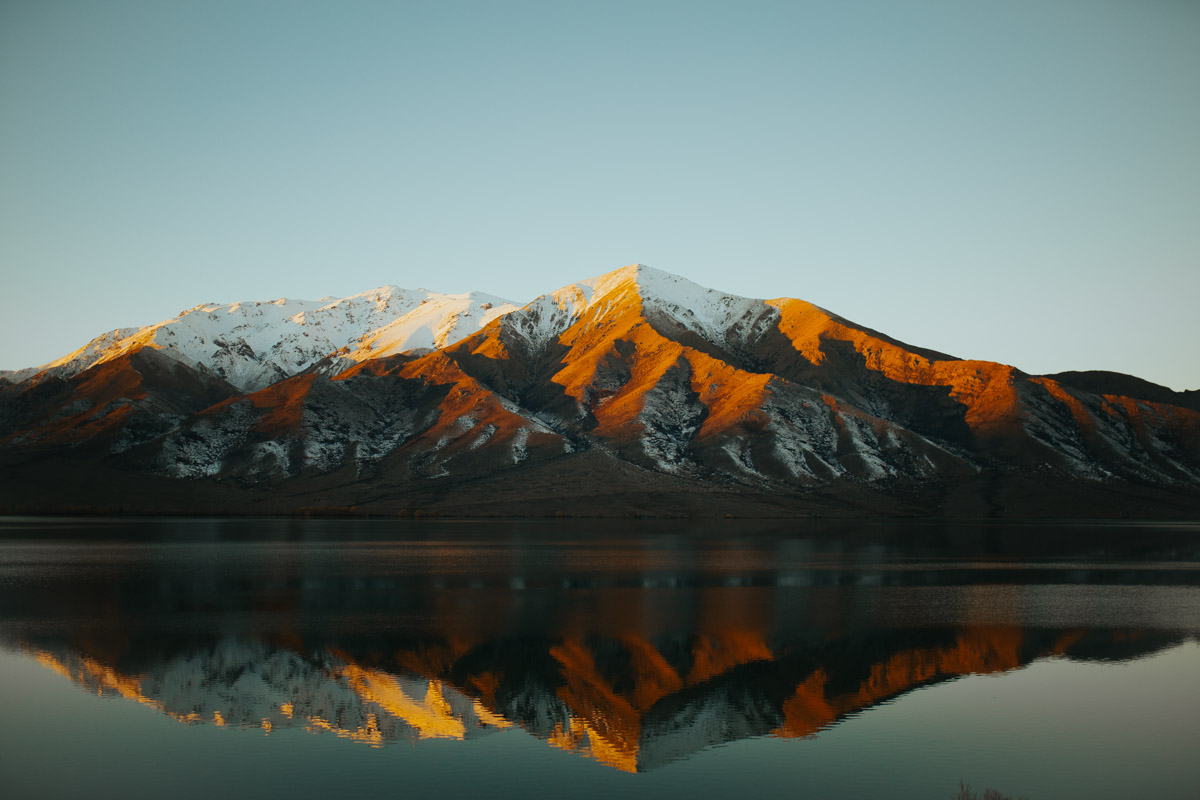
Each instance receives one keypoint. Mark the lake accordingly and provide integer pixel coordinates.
(305, 658)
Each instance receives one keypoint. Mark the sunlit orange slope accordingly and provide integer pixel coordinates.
(616, 367)
(99, 403)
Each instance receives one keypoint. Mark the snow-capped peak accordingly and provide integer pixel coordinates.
(707, 312)
(256, 343)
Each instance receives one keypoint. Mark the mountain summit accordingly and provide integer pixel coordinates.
(252, 345)
(633, 392)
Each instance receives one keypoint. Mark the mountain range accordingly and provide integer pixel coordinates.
(633, 393)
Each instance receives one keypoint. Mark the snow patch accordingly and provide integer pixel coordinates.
(713, 315)
(520, 448)
(671, 416)
(488, 431)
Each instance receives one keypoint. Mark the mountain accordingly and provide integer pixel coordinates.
(1115, 383)
(633, 392)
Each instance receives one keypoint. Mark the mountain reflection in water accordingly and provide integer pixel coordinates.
(631, 703)
(635, 649)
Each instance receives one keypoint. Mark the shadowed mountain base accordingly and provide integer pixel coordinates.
(575, 485)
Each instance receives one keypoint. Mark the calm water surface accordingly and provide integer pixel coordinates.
(188, 658)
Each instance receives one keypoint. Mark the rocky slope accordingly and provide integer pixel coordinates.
(635, 379)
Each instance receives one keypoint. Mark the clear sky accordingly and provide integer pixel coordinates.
(1012, 181)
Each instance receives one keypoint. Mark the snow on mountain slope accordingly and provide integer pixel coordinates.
(715, 316)
(438, 320)
(255, 344)
(92, 353)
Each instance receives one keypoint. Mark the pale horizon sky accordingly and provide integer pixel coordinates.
(1011, 181)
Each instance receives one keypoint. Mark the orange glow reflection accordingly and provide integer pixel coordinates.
(617, 700)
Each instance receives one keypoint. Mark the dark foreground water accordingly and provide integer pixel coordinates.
(288, 658)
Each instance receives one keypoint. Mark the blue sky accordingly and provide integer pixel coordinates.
(1012, 181)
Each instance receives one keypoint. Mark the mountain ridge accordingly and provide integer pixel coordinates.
(398, 390)
(370, 324)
